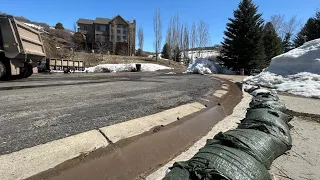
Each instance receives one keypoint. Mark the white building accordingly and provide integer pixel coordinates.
(203, 54)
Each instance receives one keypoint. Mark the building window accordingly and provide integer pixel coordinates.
(124, 32)
(102, 38)
(111, 37)
(124, 38)
(111, 31)
(83, 27)
(118, 31)
(118, 38)
(119, 26)
(98, 37)
(102, 28)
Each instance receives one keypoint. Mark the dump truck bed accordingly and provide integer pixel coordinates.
(19, 40)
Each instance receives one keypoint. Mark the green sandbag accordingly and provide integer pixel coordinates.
(262, 92)
(270, 113)
(215, 161)
(263, 147)
(267, 97)
(256, 104)
(268, 120)
(178, 173)
(281, 134)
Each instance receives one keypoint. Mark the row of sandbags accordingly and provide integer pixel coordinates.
(244, 153)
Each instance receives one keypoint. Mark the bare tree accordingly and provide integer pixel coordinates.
(157, 26)
(101, 45)
(193, 37)
(203, 36)
(292, 25)
(113, 37)
(185, 42)
(284, 27)
(169, 37)
(278, 23)
(174, 38)
(140, 38)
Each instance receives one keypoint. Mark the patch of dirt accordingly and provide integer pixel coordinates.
(303, 160)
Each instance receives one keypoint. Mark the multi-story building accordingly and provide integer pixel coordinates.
(115, 35)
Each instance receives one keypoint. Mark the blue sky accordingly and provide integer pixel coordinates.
(213, 12)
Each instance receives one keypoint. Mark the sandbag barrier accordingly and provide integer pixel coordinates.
(244, 153)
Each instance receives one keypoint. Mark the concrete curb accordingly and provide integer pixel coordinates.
(138, 126)
(31, 161)
(28, 162)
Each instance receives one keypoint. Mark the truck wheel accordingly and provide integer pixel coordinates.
(23, 72)
(29, 70)
(3, 70)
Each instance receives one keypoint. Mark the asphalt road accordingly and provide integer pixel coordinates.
(43, 108)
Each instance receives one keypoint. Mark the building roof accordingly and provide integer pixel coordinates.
(85, 21)
(102, 20)
(99, 20)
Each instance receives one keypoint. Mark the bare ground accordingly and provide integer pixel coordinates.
(303, 160)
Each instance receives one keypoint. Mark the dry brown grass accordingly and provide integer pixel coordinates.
(95, 59)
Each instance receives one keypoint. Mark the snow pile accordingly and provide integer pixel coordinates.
(202, 66)
(303, 84)
(302, 59)
(60, 71)
(125, 67)
(34, 26)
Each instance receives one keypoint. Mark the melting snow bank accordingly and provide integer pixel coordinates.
(202, 66)
(125, 67)
(305, 58)
(302, 84)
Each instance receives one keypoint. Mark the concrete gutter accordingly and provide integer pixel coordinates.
(135, 127)
(230, 122)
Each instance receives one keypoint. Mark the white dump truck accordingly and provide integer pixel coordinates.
(21, 47)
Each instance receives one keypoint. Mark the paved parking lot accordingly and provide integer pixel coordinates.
(43, 107)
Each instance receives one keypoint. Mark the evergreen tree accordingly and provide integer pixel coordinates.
(286, 42)
(272, 44)
(166, 51)
(243, 45)
(59, 26)
(310, 31)
(176, 53)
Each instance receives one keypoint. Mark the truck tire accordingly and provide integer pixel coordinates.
(23, 72)
(29, 70)
(3, 71)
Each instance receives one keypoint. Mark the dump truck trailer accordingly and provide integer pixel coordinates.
(49, 64)
(21, 47)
